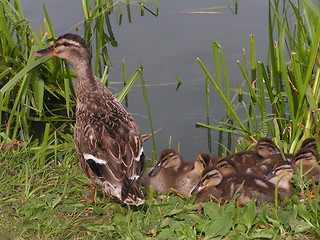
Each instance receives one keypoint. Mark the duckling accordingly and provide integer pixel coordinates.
(260, 188)
(171, 172)
(248, 187)
(107, 138)
(213, 185)
(306, 160)
(162, 176)
(309, 143)
(267, 164)
(227, 167)
(206, 189)
(264, 148)
(281, 175)
(187, 180)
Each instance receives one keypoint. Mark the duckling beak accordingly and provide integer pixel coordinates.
(46, 52)
(198, 188)
(269, 175)
(155, 170)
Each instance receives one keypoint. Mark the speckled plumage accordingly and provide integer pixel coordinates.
(107, 138)
(213, 185)
(243, 160)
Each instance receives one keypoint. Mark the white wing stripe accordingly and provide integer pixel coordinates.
(97, 160)
(138, 158)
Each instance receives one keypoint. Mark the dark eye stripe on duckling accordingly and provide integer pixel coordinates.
(305, 155)
(222, 164)
(309, 143)
(211, 175)
(268, 145)
(170, 157)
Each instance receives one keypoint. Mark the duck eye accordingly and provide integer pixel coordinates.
(66, 44)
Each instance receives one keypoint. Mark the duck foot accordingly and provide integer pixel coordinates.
(91, 198)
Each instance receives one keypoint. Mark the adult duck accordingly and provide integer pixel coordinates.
(107, 138)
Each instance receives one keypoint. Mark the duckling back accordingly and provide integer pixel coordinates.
(246, 187)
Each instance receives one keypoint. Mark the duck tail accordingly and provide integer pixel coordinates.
(132, 194)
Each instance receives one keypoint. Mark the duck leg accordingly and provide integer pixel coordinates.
(91, 198)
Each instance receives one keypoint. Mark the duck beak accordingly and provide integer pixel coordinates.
(155, 170)
(198, 188)
(46, 52)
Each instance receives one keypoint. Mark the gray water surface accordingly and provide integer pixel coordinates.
(167, 46)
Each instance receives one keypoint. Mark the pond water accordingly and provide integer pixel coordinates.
(168, 45)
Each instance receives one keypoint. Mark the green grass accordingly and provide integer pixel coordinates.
(280, 97)
(42, 186)
(42, 201)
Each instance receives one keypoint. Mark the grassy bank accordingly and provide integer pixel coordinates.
(45, 201)
(42, 186)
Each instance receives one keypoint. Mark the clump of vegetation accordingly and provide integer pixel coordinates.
(42, 187)
(279, 97)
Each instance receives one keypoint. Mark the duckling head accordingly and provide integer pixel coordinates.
(265, 147)
(282, 172)
(203, 160)
(305, 157)
(70, 47)
(226, 167)
(168, 158)
(210, 177)
(309, 143)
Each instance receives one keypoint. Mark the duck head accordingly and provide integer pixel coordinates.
(282, 171)
(168, 158)
(265, 147)
(305, 157)
(210, 177)
(70, 47)
(226, 167)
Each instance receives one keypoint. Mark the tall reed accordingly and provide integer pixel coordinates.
(282, 95)
(36, 91)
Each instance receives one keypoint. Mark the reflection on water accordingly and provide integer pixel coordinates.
(167, 43)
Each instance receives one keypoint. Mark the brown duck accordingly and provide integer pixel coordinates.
(107, 138)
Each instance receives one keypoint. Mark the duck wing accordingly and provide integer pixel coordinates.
(110, 144)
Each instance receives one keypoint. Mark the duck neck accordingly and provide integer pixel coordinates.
(86, 81)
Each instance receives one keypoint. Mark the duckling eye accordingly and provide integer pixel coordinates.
(65, 44)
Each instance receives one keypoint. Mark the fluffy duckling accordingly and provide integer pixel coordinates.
(309, 143)
(227, 167)
(187, 180)
(213, 185)
(245, 159)
(206, 189)
(107, 138)
(267, 164)
(162, 176)
(282, 175)
(306, 160)
(171, 172)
